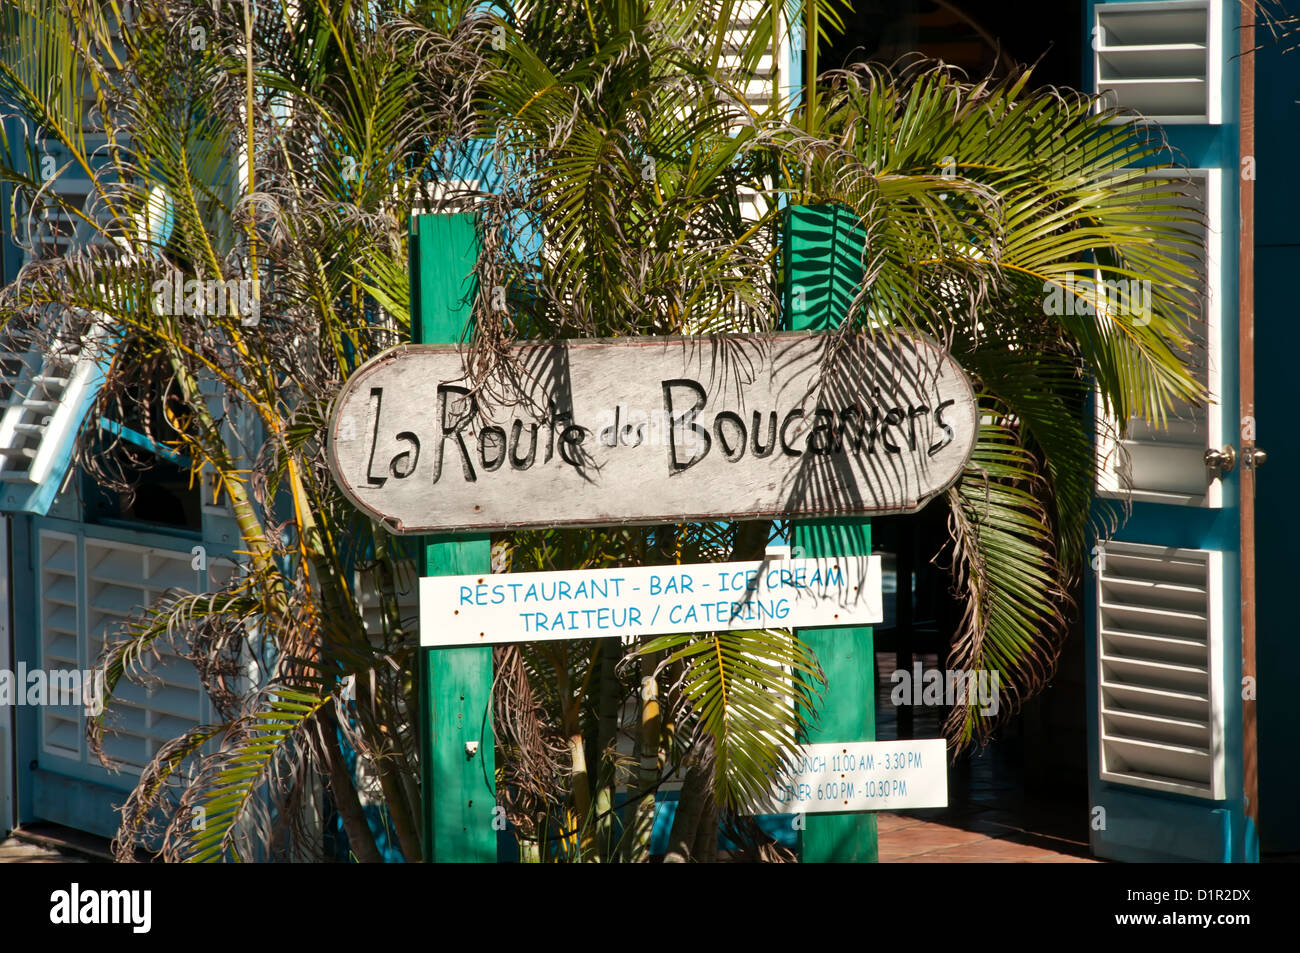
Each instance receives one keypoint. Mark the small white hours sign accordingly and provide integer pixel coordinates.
(861, 776)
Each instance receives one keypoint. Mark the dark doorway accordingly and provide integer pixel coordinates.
(979, 36)
(1031, 780)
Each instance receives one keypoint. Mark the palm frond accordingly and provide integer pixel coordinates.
(225, 792)
(1005, 563)
(747, 692)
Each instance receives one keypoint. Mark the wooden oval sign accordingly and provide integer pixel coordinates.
(652, 430)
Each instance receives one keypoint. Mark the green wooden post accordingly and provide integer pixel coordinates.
(823, 247)
(455, 683)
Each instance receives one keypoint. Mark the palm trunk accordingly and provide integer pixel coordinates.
(408, 833)
(693, 811)
(639, 816)
(581, 784)
(606, 736)
(581, 789)
(705, 849)
(346, 801)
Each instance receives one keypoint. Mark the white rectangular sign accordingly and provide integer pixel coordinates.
(861, 776)
(649, 600)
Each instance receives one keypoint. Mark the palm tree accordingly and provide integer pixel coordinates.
(287, 150)
(290, 147)
(981, 205)
(979, 202)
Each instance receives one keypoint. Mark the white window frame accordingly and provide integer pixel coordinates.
(1109, 483)
(1213, 112)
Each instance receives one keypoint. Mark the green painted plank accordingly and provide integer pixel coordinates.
(848, 711)
(823, 246)
(455, 684)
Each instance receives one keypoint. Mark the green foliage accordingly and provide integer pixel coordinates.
(748, 690)
(219, 802)
(977, 201)
(618, 145)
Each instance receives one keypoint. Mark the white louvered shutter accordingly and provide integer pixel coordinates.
(49, 385)
(62, 727)
(88, 587)
(1160, 59)
(48, 396)
(1160, 664)
(758, 90)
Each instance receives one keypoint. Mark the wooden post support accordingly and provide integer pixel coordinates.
(457, 760)
(1246, 395)
(823, 249)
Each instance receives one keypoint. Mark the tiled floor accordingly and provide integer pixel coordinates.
(15, 851)
(51, 844)
(990, 818)
(908, 839)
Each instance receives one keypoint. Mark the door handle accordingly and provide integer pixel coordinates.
(1252, 458)
(1221, 460)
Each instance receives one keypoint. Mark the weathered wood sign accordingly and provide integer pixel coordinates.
(652, 430)
(860, 776)
(649, 600)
